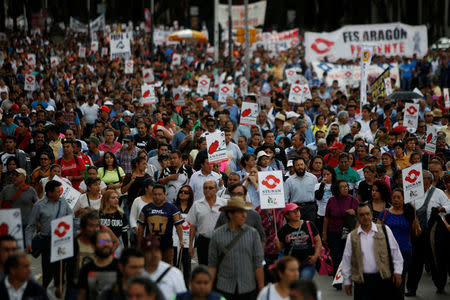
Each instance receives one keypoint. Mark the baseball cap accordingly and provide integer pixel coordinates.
(21, 171)
(261, 154)
(50, 108)
(399, 129)
(16, 107)
(150, 243)
(291, 114)
(108, 102)
(128, 137)
(105, 108)
(290, 163)
(337, 145)
(290, 207)
(148, 181)
(93, 139)
(127, 113)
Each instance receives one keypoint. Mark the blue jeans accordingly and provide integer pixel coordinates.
(307, 271)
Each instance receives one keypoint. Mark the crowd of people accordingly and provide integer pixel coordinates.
(152, 207)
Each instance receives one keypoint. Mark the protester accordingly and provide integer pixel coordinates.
(201, 284)
(8, 245)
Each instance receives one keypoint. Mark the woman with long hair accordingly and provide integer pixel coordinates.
(323, 193)
(91, 200)
(11, 164)
(388, 161)
(316, 166)
(365, 186)
(46, 159)
(381, 198)
(286, 272)
(113, 217)
(111, 173)
(132, 183)
(140, 202)
(319, 125)
(184, 201)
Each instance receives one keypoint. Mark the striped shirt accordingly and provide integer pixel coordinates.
(237, 270)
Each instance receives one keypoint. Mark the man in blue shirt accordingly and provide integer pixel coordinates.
(406, 69)
(233, 109)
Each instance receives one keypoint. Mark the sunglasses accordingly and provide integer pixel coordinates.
(104, 241)
(186, 192)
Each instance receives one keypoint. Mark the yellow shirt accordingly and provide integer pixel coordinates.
(315, 129)
(403, 162)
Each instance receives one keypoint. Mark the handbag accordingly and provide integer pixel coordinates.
(324, 264)
(39, 242)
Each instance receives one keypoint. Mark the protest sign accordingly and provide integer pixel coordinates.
(271, 189)
(243, 84)
(217, 148)
(277, 41)
(366, 58)
(296, 94)
(120, 46)
(176, 59)
(104, 51)
(11, 223)
(378, 87)
(54, 61)
(82, 52)
(387, 86)
(31, 59)
(390, 39)
(338, 278)
(178, 96)
(148, 75)
(148, 94)
(70, 194)
(291, 75)
(129, 65)
(249, 113)
(411, 117)
(94, 46)
(203, 86)
(263, 100)
(256, 14)
(30, 82)
(430, 142)
(413, 183)
(446, 98)
(62, 238)
(225, 91)
(306, 92)
(185, 227)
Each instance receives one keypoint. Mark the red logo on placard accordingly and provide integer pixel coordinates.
(225, 89)
(146, 75)
(213, 147)
(338, 275)
(297, 89)
(348, 74)
(30, 79)
(4, 229)
(323, 42)
(270, 181)
(411, 110)
(61, 229)
(176, 96)
(146, 94)
(246, 112)
(291, 72)
(204, 82)
(30, 59)
(429, 137)
(130, 63)
(412, 176)
(187, 227)
(53, 62)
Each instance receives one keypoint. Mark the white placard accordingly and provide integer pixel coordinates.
(62, 238)
(256, 14)
(104, 51)
(203, 86)
(30, 82)
(31, 59)
(54, 61)
(291, 75)
(70, 194)
(411, 117)
(11, 223)
(176, 59)
(249, 113)
(129, 64)
(271, 189)
(387, 86)
(178, 96)
(413, 183)
(185, 227)
(120, 46)
(366, 58)
(306, 92)
(94, 46)
(217, 148)
(148, 75)
(82, 52)
(243, 84)
(430, 142)
(225, 90)
(446, 98)
(338, 278)
(148, 94)
(296, 94)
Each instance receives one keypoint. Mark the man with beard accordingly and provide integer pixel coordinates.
(97, 275)
(299, 189)
(37, 148)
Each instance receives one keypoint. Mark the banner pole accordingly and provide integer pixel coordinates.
(61, 279)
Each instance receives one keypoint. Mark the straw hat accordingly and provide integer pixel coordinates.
(236, 203)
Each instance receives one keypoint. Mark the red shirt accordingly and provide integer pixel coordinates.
(329, 160)
(71, 168)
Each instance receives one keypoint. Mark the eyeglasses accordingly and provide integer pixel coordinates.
(104, 241)
(186, 192)
(43, 158)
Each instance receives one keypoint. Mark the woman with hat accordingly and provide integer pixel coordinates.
(299, 239)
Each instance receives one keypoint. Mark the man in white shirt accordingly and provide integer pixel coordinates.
(201, 176)
(169, 279)
(233, 151)
(366, 260)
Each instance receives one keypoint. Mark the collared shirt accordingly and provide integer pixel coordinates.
(403, 162)
(44, 211)
(197, 181)
(439, 198)
(350, 175)
(12, 292)
(204, 217)
(368, 254)
(125, 159)
(177, 139)
(114, 148)
(171, 284)
(300, 189)
(237, 270)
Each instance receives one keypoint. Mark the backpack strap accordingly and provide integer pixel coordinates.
(384, 216)
(310, 233)
(163, 274)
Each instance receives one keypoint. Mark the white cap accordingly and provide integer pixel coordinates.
(127, 113)
(290, 163)
(50, 108)
(292, 114)
(262, 153)
(108, 102)
(229, 78)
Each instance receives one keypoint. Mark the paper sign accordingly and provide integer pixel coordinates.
(243, 84)
(271, 189)
(296, 94)
(291, 75)
(338, 278)
(31, 59)
(306, 91)
(249, 113)
(94, 46)
(129, 66)
(387, 86)
(82, 52)
(413, 183)
(176, 59)
(430, 146)
(411, 117)
(225, 90)
(62, 238)
(104, 51)
(446, 98)
(148, 94)
(11, 223)
(30, 82)
(203, 86)
(148, 75)
(178, 96)
(185, 227)
(70, 194)
(217, 148)
(120, 46)
(263, 100)
(54, 61)
(366, 58)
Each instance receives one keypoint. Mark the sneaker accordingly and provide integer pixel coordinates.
(410, 294)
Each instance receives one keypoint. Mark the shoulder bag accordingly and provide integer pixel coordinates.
(38, 243)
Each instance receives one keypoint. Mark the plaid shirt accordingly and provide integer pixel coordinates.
(114, 148)
(125, 159)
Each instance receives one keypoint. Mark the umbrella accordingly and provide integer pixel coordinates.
(404, 95)
(188, 35)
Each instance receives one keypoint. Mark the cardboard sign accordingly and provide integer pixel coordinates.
(291, 75)
(216, 147)
(178, 96)
(430, 146)
(129, 64)
(411, 117)
(54, 61)
(366, 58)
(271, 189)
(176, 59)
(225, 91)
(388, 86)
(120, 46)
(94, 46)
(30, 82)
(148, 75)
(306, 92)
(82, 52)
(338, 278)
(70, 194)
(296, 94)
(263, 100)
(243, 84)
(378, 86)
(11, 223)
(31, 59)
(185, 227)
(104, 51)
(203, 86)
(148, 94)
(413, 183)
(62, 238)
(249, 113)
(446, 98)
